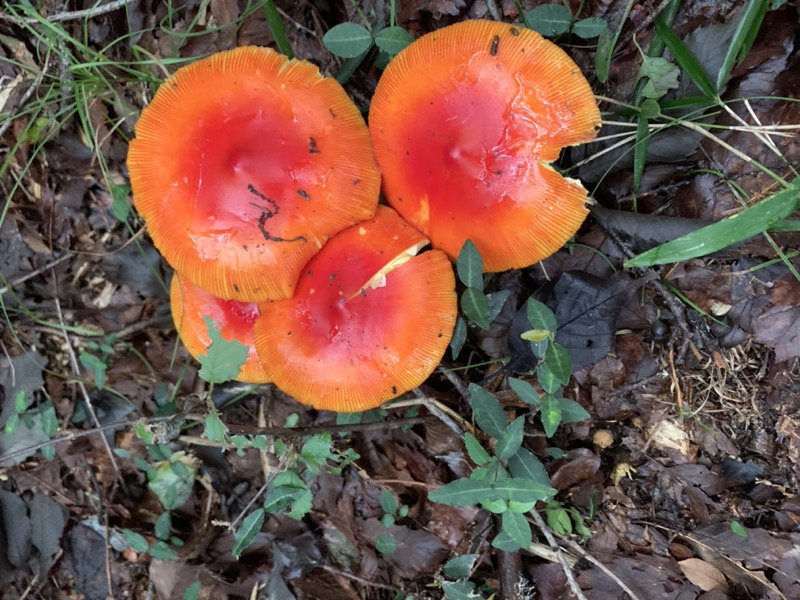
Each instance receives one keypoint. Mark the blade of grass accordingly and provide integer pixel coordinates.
(731, 230)
(606, 44)
(275, 24)
(640, 154)
(743, 38)
(687, 61)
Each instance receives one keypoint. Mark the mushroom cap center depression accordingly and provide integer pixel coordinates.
(250, 177)
(475, 143)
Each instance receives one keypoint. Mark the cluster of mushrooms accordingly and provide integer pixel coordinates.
(259, 182)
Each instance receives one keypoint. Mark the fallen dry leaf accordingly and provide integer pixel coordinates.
(704, 575)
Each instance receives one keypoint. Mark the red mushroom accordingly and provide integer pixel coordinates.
(247, 162)
(234, 319)
(465, 123)
(370, 318)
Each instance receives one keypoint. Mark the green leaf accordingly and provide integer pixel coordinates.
(730, 230)
(91, 363)
(388, 502)
(460, 567)
(503, 541)
(347, 40)
(223, 359)
(12, 424)
(743, 38)
(49, 419)
(558, 359)
(135, 541)
(524, 465)
(535, 335)
(476, 307)
(511, 439)
(462, 492)
(470, 266)
(496, 506)
(738, 529)
(606, 44)
(522, 490)
(549, 19)
(301, 505)
(163, 525)
(571, 411)
(517, 528)
(172, 480)
(547, 379)
(393, 40)
(487, 411)
(602, 57)
(550, 414)
(192, 592)
(559, 521)
(686, 59)
(459, 337)
(589, 28)
(119, 202)
(496, 302)
(215, 429)
(161, 551)
(316, 452)
(661, 75)
(540, 317)
(524, 391)
(460, 590)
(386, 544)
(475, 451)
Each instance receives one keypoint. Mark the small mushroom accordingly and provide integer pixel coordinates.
(234, 319)
(465, 123)
(246, 162)
(370, 318)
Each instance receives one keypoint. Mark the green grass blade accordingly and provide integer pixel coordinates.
(686, 59)
(731, 230)
(277, 28)
(743, 38)
(640, 153)
(606, 44)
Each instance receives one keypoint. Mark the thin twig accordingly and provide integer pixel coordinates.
(33, 274)
(586, 556)
(573, 585)
(86, 399)
(86, 13)
(28, 93)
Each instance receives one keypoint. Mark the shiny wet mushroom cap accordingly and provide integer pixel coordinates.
(234, 319)
(246, 161)
(465, 123)
(370, 318)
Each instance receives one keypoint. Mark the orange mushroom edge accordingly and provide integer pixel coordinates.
(465, 122)
(246, 162)
(235, 320)
(370, 318)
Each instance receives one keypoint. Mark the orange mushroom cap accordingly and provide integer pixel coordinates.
(370, 318)
(465, 122)
(247, 161)
(234, 319)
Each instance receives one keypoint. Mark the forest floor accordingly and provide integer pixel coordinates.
(682, 484)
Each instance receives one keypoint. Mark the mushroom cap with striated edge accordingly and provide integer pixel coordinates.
(465, 122)
(246, 162)
(234, 319)
(370, 318)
